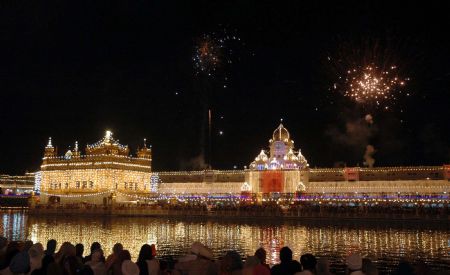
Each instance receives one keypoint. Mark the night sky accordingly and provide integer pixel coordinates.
(72, 69)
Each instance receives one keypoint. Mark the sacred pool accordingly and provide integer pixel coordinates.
(384, 243)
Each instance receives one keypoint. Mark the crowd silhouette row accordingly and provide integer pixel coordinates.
(30, 258)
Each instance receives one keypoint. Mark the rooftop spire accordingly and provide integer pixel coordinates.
(108, 136)
(49, 145)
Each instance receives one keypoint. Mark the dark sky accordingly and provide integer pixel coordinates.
(72, 69)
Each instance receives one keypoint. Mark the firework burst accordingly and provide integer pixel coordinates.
(213, 52)
(372, 85)
(207, 55)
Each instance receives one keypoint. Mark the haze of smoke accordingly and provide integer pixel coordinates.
(369, 119)
(369, 161)
(357, 133)
(197, 163)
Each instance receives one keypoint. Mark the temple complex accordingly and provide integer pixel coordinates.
(108, 173)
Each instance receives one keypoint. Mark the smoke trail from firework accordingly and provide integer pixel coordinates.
(213, 54)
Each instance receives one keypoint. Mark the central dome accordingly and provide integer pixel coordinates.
(280, 133)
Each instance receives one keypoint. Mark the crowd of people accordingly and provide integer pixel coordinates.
(28, 258)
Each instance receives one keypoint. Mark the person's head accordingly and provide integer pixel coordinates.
(129, 268)
(11, 250)
(285, 254)
(20, 263)
(308, 261)
(97, 256)
(232, 261)
(79, 250)
(51, 247)
(36, 251)
(354, 262)
(117, 248)
(124, 255)
(95, 246)
(145, 253)
(261, 254)
(67, 249)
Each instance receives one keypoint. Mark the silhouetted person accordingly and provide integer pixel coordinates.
(79, 250)
(51, 247)
(287, 266)
(309, 263)
(94, 247)
(146, 262)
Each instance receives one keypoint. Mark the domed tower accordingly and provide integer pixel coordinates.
(50, 151)
(282, 155)
(260, 162)
(280, 144)
(145, 152)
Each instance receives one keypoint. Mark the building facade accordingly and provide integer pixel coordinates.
(283, 170)
(18, 185)
(107, 173)
(95, 177)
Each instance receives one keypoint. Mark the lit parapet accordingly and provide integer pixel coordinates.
(107, 145)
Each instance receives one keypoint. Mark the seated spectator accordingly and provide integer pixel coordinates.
(51, 247)
(146, 262)
(117, 248)
(253, 266)
(36, 253)
(130, 268)
(71, 265)
(117, 265)
(231, 264)
(354, 264)
(287, 266)
(309, 263)
(94, 246)
(79, 250)
(67, 249)
(96, 262)
(11, 250)
(198, 262)
(262, 254)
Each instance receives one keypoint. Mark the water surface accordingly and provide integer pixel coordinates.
(383, 242)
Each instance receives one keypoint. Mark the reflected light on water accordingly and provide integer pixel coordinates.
(385, 245)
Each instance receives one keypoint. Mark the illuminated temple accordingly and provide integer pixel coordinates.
(108, 173)
(106, 167)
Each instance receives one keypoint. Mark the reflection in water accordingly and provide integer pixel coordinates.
(384, 244)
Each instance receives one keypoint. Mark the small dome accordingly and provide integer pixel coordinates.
(281, 133)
